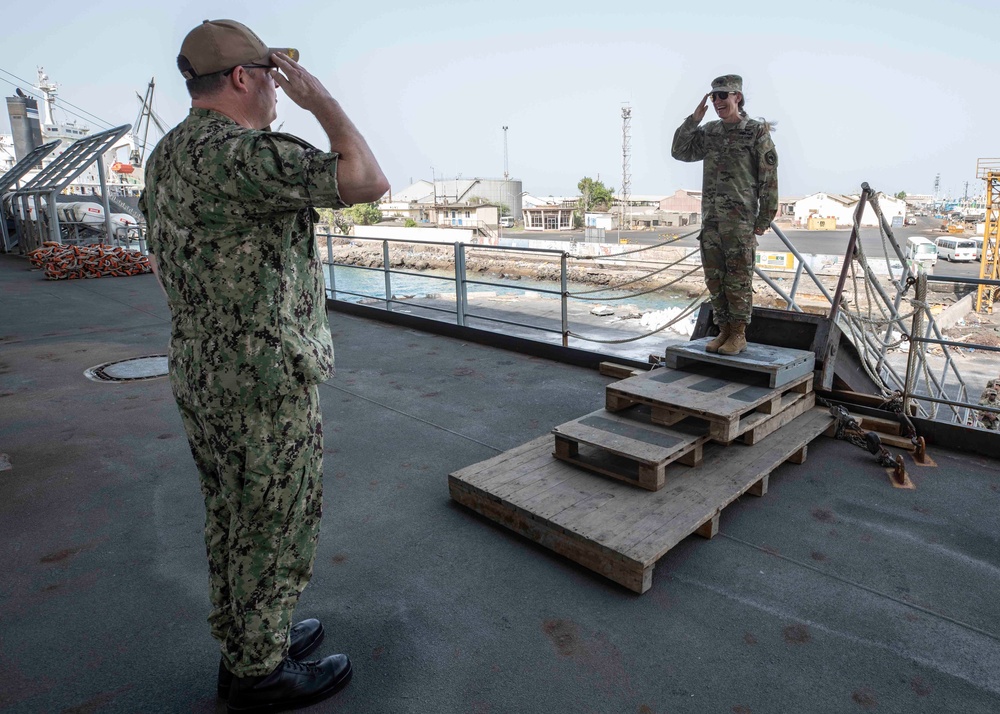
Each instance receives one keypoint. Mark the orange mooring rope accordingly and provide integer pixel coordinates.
(68, 262)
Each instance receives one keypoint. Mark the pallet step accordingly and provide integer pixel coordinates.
(731, 404)
(628, 446)
(782, 365)
(611, 527)
(618, 371)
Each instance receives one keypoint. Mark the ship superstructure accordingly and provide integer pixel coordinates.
(33, 126)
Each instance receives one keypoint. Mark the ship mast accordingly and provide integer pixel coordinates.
(49, 89)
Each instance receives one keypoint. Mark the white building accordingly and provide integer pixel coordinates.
(824, 205)
(841, 208)
(482, 217)
(446, 192)
(549, 218)
(530, 201)
(641, 200)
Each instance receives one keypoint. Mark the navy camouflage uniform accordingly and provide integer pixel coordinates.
(230, 215)
(739, 196)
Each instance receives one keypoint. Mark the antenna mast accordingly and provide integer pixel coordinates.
(626, 193)
(506, 174)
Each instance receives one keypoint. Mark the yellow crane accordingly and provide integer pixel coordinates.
(989, 268)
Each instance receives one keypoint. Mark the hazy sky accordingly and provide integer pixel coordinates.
(883, 91)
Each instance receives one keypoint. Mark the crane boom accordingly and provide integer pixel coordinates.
(141, 125)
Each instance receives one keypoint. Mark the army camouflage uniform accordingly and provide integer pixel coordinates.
(990, 398)
(230, 221)
(739, 196)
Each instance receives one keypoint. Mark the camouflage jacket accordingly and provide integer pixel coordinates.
(230, 219)
(740, 177)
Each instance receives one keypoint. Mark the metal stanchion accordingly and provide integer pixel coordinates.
(915, 331)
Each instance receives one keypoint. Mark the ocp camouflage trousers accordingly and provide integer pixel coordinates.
(727, 257)
(261, 475)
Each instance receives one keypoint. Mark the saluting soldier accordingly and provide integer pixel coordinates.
(230, 208)
(738, 201)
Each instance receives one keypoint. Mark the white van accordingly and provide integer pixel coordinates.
(921, 250)
(507, 221)
(956, 249)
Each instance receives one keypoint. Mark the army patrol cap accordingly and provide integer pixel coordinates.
(218, 45)
(728, 83)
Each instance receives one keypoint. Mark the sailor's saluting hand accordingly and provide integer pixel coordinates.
(699, 113)
(298, 84)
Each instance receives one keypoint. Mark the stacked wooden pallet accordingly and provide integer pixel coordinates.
(670, 431)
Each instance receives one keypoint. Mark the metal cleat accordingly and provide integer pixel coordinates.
(899, 471)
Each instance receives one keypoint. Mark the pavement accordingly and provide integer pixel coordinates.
(806, 241)
(835, 592)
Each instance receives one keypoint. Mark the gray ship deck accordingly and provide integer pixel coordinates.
(833, 593)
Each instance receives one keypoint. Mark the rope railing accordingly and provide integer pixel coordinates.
(697, 268)
(862, 324)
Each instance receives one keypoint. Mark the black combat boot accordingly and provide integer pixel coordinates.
(290, 686)
(304, 638)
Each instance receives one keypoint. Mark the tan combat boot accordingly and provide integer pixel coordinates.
(737, 341)
(715, 344)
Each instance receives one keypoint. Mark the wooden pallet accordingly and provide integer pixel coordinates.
(732, 404)
(627, 446)
(782, 365)
(611, 527)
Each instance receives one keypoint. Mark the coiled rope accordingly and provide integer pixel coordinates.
(70, 262)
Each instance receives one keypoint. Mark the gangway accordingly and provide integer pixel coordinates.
(51, 181)
(13, 179)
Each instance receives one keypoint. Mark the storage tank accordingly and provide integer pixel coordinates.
(506, 191)
(24, 124)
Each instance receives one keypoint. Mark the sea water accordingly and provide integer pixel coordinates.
(361, 284)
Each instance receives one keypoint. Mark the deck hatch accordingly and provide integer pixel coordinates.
(129, 370)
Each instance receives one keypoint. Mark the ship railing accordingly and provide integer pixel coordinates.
(459, 282)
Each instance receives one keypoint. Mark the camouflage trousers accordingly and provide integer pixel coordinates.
(727, 257)
(261, 471)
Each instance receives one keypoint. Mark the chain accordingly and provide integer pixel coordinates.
(848, 429)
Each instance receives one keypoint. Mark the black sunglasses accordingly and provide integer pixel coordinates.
(246, 66)
(721, 95)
